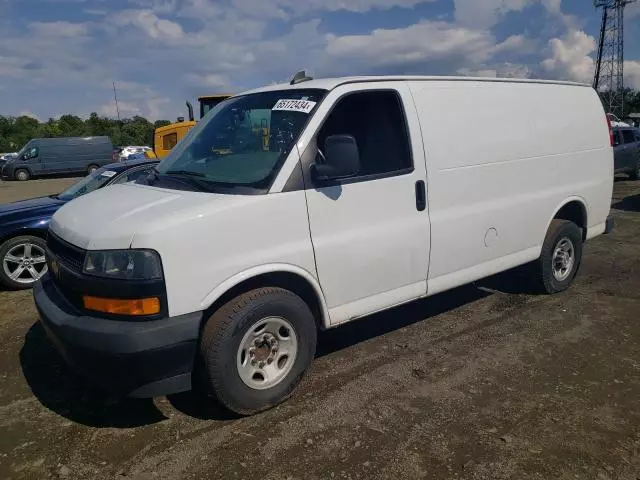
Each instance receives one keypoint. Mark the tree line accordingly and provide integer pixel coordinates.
(17, 131)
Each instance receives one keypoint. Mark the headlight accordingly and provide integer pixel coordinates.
(124, 264)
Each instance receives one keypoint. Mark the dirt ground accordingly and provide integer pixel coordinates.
(483, 382)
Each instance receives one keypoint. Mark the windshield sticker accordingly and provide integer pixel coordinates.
(304, 106)
(108, 173)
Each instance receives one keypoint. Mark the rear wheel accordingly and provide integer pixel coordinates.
(560, 257)
(22, 175)
(23, 261)
(92, 168)
(256, 349)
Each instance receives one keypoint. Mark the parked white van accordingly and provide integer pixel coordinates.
(357, 195)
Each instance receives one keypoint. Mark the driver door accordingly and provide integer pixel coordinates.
(370, 232)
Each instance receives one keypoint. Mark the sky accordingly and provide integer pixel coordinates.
(61, 56)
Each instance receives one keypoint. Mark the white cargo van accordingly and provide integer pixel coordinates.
(299, 207)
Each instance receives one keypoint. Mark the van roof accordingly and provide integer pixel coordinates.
(73, 140)
(331, 83)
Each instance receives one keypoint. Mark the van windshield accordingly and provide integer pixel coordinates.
(22, 150)
(242, 142)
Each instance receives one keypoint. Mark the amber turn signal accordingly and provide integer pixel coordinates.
(140, 306)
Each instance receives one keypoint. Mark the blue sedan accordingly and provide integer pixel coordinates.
(24, 224)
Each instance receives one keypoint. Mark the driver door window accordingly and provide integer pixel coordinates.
(376, 120)
(31, 153)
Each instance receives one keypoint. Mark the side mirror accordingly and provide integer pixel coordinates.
(341, 159)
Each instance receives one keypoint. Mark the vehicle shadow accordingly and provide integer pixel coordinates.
(59, 390)
(628, 204)
(200, 406)
(517, 281)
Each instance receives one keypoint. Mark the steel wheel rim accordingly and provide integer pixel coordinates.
(25, 263)
(267, 353)
(563, 259)
(22, 175)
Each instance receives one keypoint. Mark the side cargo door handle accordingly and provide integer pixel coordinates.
(421, 196)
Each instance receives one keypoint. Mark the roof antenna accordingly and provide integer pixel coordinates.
(300, 77)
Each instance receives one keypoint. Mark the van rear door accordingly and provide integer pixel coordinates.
(370, 232)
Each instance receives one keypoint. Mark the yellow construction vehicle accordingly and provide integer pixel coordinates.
(167, 137)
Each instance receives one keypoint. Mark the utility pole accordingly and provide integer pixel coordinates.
(115, 96)
(609, 74)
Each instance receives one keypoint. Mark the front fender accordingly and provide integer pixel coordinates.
(33, 226)
(253, 272)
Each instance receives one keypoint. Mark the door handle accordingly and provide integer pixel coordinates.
(421, 196)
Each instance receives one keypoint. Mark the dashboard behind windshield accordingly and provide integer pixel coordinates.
(243, 141)
(88, 184)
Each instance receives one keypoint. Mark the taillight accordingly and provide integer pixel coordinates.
(610, 130)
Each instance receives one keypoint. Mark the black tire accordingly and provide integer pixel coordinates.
(22, 174)
(92, 168)
(5, 248)
(221, 340)
(559, 230)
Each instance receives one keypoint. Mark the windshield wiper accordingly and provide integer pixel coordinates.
(185, 172)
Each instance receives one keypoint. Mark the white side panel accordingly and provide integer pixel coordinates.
(375, 303)
(501, 159)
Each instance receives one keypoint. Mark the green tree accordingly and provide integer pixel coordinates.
(51, 129)
(24, 129)
(71, 126)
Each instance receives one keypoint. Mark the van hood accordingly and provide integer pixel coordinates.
(110, 218)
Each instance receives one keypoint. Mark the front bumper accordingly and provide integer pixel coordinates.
(133, 358)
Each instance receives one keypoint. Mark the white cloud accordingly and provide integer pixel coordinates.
(632, 11)
(150, 23)
(59, 29)
(285, 9)
(552, 5)
(95, 11)
(419, 43)
(570, 57)
(481, 14)
(504, 70)
(632, 74)
(211, 80)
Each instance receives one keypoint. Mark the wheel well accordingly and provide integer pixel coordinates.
(288, 281)
(33, 233)
(575, 212)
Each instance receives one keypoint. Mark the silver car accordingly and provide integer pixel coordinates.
(626, 151)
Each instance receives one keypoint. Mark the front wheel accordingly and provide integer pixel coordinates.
(256, 349)
(22, 175)
(560, 257)
(23, 261)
